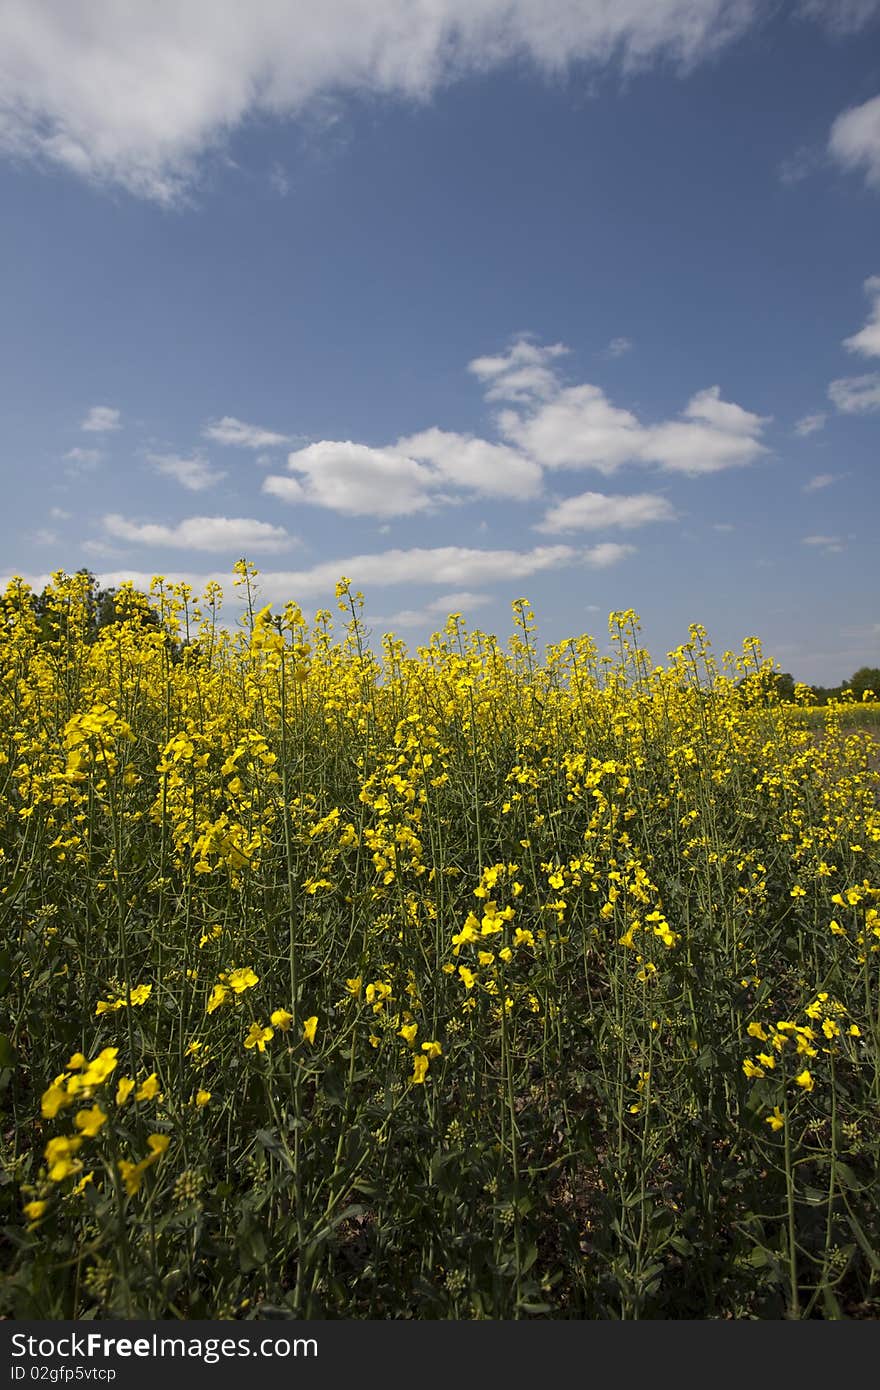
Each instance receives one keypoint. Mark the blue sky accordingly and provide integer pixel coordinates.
(466, 301)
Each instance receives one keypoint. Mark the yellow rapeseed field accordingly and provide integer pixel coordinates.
(470, 983)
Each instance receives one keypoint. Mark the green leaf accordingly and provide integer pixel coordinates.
(7, 1052)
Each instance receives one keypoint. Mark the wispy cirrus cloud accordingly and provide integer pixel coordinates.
(239, 435)
(618, 347)
(820, 481)
(810, 424)
(841, 17)
(195, 473)
(82, 460)
(832, 545)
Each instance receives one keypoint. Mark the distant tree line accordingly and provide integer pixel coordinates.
(781, 684)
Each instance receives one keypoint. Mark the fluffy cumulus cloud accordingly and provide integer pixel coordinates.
(242, 436)
(218, 533)
(543, 425)
(855, 140)
(101, 419)
(195, 473)
(478, 466)
(523, 373)
(856, 395)
(867, 340)
(594, 511)
(418, 472)
(136, 95)
(607, 553)
(579, 427)
(354, 479)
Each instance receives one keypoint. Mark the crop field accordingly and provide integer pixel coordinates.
(477, 982)
(850, 715)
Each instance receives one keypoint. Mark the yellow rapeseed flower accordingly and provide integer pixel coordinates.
(258, 1036)
(90, 1121)
(124, 1089)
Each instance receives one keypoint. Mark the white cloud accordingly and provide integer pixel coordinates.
(800, 165)
(617, 347)
(44, 536)
(354, 479)
(819, 481)
(100, 419)
(59, 514)
(855, 140)
(278, 178)
(418, 472)
(195, 474)
(856, 395)
(443, 606)
(841, 16)
(724, 526)
(594, 511)
(708, 406)
(809, 424)
(83, 460)
(242, 436)
(599, 557)
(830, 544)
(241, 534)
(443, 565)
(523, 373)
(867, 340)
(580, 428)
(137, 94)
(490, 470)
